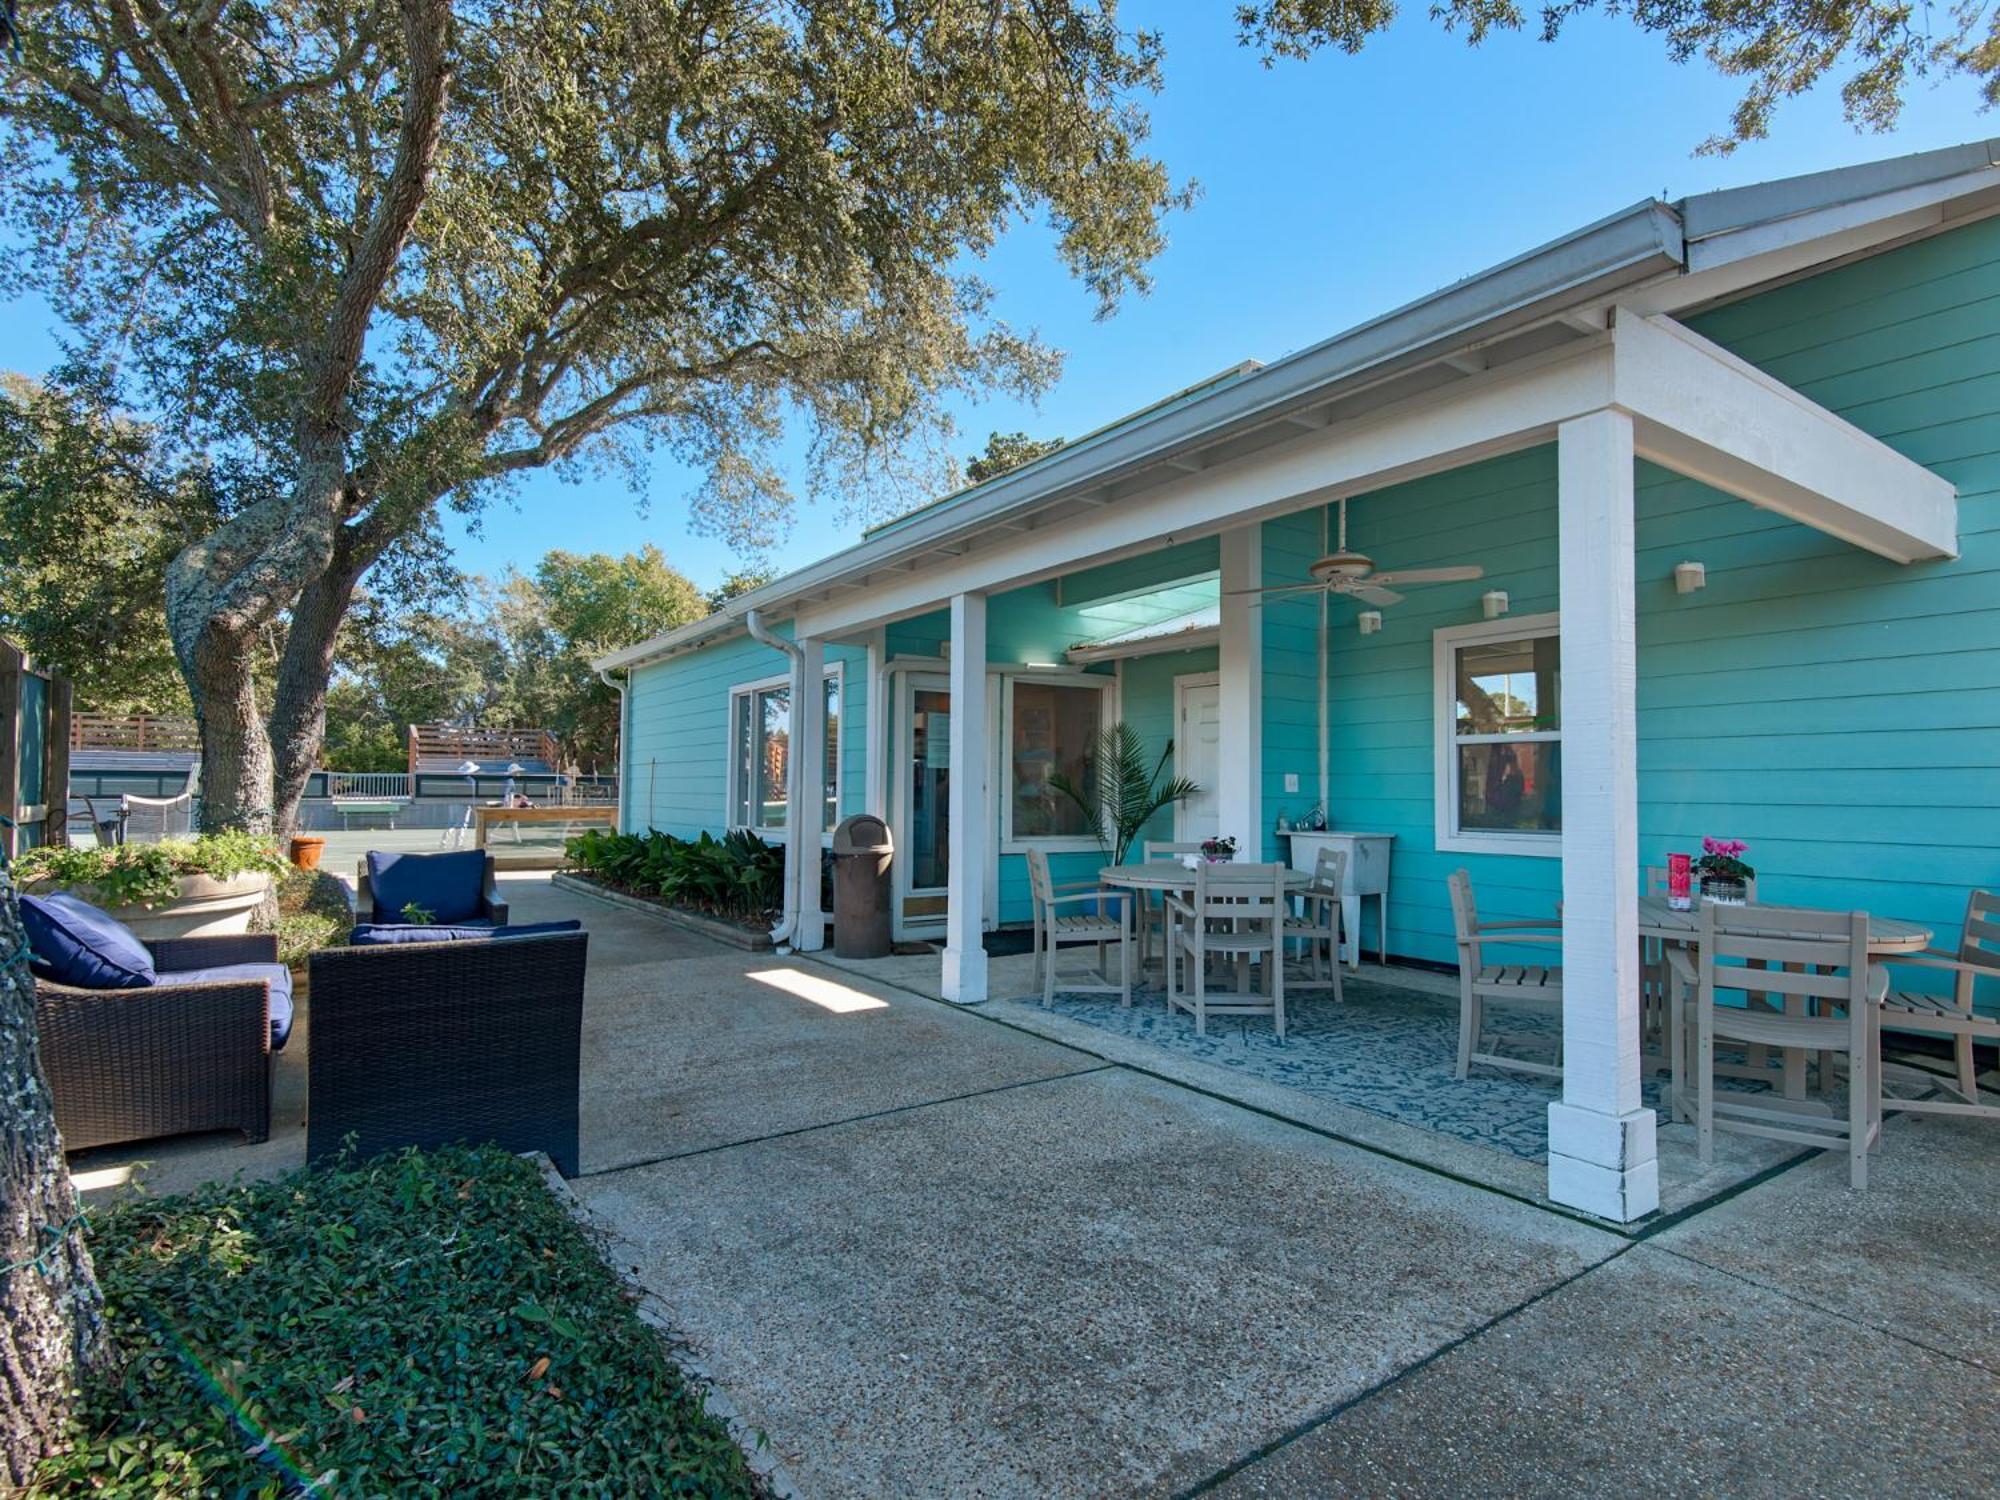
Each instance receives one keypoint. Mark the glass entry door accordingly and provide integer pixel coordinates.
(923, 801)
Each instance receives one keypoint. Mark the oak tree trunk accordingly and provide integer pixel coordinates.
(236, 765)
(52, 1329)
(298, 711)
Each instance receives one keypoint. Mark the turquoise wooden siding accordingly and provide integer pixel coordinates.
(1146, 689)
(677, 755)
(1834, 709)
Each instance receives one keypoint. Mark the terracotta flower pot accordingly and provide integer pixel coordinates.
(306, 850)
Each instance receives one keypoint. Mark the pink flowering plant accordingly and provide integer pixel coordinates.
(1722, 859)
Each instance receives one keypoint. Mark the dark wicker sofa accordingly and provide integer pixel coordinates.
(128, 1065)
(435, 1044)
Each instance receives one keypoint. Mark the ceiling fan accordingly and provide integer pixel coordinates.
(1353, 574)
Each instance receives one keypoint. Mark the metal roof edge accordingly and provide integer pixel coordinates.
(1708, 214)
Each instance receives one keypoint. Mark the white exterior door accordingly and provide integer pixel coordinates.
(1198, 755)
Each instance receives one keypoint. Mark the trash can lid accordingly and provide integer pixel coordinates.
(862, 833)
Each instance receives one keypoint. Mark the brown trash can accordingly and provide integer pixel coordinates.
(862, 849)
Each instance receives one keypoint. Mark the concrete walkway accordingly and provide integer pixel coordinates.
(929, 1253)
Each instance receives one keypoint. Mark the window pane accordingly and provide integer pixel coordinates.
(832, 762)
(1509, 687)
(1055, 730)
(774, 748)
(1506, 788)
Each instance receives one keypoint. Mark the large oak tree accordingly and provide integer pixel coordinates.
(408, 250)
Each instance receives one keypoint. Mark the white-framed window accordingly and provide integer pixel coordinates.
(1499, 736)
(760, 746)
(1048, 725)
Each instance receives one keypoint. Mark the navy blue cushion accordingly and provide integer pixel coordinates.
(451, 887)
(382, 934)
(277, 976)
(74, 943)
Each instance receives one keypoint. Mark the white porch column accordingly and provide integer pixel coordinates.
(1240, 757)
(1601, 1146)
(809, 748)
(875, 790)
(965, 892)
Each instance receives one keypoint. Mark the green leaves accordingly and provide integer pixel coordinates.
(1127, 794)
(736, 876)
(125, 874)
(422, 1325)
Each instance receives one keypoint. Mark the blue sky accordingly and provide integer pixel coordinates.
(1332, 191)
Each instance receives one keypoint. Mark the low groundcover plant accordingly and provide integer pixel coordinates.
(417, 1325)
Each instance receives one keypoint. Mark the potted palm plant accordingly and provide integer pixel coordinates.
(1126, 794)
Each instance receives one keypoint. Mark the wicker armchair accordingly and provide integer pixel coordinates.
(128, 1065)
(492, 908)
(433, 1044)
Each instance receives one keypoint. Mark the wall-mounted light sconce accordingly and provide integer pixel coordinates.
(1689, 576)
(1370, 621)
(1493, 603)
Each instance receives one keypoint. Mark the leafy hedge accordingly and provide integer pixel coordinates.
(738, 876)
(314, 912)
(425, 1324)
(126, 874)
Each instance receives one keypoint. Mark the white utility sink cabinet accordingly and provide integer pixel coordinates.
(1367, 875)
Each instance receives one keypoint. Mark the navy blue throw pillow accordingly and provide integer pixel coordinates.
(74, 943)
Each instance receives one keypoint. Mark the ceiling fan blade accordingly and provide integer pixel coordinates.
(1374, 595)
(1463, 574)
(1276, 588)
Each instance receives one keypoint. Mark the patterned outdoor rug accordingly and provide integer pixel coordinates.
(1388, 1050)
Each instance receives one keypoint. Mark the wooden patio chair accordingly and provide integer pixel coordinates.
(1149, 915)
(1535, 986)
(1236, 913)
(1098, 917)
(1814, 959)
(1318, 921)
(1953, 1015)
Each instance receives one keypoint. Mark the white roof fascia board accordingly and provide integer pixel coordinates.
(1702, 412)
(1152, 645)
(1706, 215)
(1623, 250)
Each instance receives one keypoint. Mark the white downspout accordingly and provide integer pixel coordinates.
(624, 742)
(789, 919)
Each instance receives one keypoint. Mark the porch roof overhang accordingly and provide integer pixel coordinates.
(1488, 365)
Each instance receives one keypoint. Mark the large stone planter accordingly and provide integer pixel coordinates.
(202, 907)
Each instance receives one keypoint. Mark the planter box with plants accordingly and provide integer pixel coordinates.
(735, 880)
(199, 887)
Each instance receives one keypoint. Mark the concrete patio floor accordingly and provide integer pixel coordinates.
(929, 1252)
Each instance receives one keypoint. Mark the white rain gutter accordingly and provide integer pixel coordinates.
(624, 740)
(788, 919)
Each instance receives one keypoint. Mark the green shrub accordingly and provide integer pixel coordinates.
(425, 1324)
(737, 876)
(314, 912)
(132, 874)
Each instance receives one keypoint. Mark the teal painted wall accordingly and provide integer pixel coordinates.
(677, 752)
(1834, 709)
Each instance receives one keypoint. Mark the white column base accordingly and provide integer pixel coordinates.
(964, 981)
(1607, 1165)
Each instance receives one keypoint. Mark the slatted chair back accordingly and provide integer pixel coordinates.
(1979, 943)
(1464, 914)
(1155, 849)
(1819, 955)
(1041, 889)
(1240, 893)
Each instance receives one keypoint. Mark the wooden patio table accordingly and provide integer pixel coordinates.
(1886, 935)
(1171, 877)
